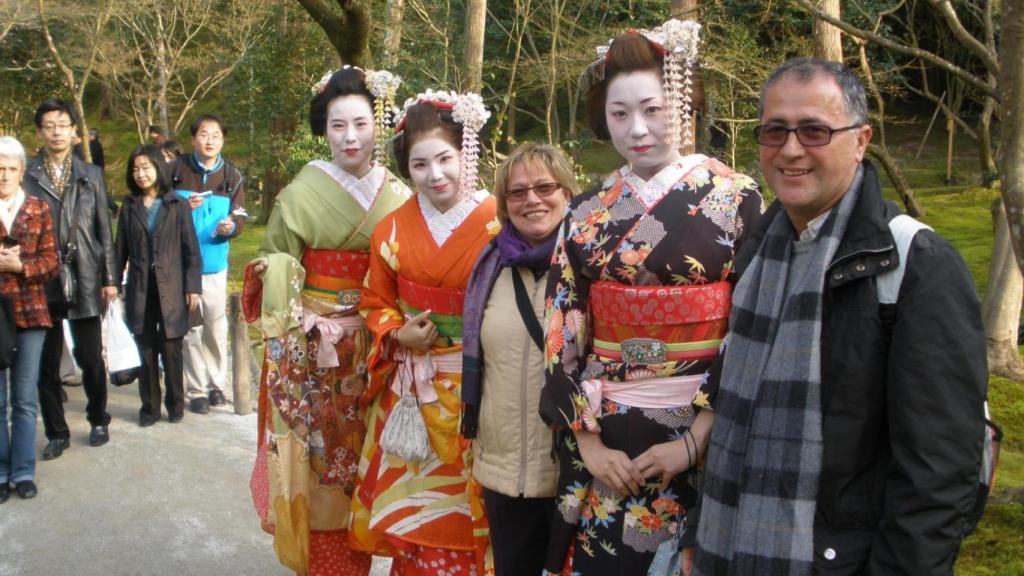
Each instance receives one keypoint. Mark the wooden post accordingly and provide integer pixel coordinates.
(241, 378)
(951, 128)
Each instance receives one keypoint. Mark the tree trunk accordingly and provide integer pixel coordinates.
(473, 54)
(906, 194)
(1011, 92)
(989, 172)
(393, 32)
(1001, 310)
(828, 44)
(348, 30)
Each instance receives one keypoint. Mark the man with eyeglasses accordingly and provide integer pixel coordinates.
(213, 187)
(77, 197)
(849, 415)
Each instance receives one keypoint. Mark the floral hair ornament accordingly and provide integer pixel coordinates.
(678, 42)
(467, 109)
(382, 85)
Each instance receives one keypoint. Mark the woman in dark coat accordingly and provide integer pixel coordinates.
(155, 237)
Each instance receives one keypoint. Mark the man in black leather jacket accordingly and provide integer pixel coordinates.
(77, 197)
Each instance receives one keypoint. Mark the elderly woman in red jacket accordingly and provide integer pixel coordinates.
(28, 258)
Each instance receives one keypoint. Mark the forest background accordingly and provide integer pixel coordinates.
(945, 79)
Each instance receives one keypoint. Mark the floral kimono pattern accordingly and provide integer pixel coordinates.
(429, 514)
(681, 228)
(311, 427)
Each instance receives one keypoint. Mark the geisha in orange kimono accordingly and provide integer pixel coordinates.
(302, 291)
(415, 501)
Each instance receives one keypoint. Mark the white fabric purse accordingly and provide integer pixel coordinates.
(405, 432)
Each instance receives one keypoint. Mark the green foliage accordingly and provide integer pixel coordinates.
(304, 148)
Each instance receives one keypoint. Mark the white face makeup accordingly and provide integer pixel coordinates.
(635, 111)
(349, 132)
(535, 202)
(434, 168)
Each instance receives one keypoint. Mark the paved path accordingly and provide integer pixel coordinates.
(171, 499)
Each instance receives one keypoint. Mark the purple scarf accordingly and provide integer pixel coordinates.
(516, 251)
(508, 249)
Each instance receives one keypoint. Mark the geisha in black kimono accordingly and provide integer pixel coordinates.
(638, 301)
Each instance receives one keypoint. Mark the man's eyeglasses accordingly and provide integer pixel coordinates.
(56, 127)
(203, 137)
(809, 135)
(543, 190)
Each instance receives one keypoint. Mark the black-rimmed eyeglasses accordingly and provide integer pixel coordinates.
(809, 135)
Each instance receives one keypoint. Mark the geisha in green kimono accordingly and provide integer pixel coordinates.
(303, 291)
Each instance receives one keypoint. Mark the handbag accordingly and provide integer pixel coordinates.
(123, 360)
(405, 432)
(8, 333)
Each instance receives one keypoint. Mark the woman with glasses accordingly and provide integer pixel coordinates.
(502, 359)
(638, 302)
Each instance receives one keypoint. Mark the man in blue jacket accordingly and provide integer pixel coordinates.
(213, 187)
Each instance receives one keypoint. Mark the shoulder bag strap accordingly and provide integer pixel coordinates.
(526, 310)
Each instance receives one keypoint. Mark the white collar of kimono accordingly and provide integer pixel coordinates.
(653, 190)
(364, 189)
(9, 208)
(442, 224)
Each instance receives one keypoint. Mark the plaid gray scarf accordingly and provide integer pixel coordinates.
(761, 480)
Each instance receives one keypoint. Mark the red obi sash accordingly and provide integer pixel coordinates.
(653, 324)
(438, 300)
(335, 273)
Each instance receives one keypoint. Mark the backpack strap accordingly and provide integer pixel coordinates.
(903, 229)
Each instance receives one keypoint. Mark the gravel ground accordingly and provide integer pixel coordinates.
(171, 499)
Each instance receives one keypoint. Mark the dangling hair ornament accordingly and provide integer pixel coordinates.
(678, 42)
(468, 109)
(383, 85)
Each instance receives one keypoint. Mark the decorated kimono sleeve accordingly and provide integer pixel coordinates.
(748, 213)
(566, 333)
(379, 306)
(279, 237)
(280, 285)
(751, 207)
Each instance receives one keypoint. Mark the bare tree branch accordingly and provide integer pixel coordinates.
(945, 8)
(884, 42)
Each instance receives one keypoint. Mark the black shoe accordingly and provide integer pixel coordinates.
(146, 421)
(199, 405)
(26, 489)
(175, 418)
(98, 436)
(217, 398)
(56, 447)
(5, 492)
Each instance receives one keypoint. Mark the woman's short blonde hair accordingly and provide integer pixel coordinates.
(532, 155)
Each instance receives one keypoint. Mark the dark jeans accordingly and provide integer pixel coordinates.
(519, 532)
(88, 352)
(153, 344)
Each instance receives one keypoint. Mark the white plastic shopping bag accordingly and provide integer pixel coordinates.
(122, 352)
